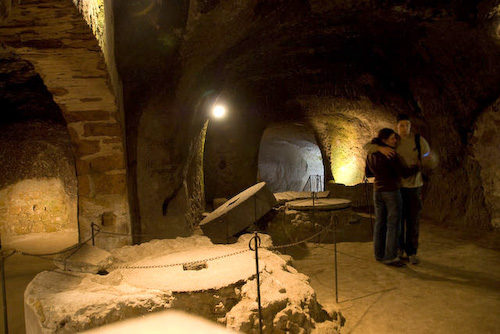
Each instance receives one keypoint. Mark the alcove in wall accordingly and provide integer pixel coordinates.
(290, 159)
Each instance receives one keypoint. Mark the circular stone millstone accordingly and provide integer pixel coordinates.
(217, 274)
(319, 204)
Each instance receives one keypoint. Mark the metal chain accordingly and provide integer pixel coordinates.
(80, 244)
(222, 256)
(181, 263)
(302, 241)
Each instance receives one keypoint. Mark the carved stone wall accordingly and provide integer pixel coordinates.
(56, 40)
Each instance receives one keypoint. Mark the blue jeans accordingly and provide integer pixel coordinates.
(410, 220)
(387, 225)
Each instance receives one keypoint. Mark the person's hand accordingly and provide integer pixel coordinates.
(387, 151)
(430, 160)
(426, 158)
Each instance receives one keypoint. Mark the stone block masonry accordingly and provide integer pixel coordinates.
(55, 38)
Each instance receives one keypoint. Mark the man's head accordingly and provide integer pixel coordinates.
(404, 125)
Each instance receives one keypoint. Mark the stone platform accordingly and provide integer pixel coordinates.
(327, 204)
(298, 219)
(162, 275)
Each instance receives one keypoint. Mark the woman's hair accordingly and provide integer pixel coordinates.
(383, 134)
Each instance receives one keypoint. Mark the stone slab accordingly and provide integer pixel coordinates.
(176, 279)
(360, 194)
(167, 322)
(319, 204)
(288, 196)
(87, 259)
(238, 213)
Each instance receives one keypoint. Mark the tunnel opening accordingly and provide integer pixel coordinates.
(38, 188)
(290, 159)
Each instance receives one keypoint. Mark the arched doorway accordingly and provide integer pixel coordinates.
(290, 159)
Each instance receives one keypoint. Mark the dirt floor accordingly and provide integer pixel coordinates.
(455, 289)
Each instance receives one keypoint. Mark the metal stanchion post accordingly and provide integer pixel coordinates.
(335, 257)
(93, 233)
(256, 239)
(369, 207)
(4, 296)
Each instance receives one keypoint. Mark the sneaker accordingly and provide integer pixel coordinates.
(414, 259)
(397, 264)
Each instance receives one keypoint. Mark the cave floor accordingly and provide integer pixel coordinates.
(455, 289)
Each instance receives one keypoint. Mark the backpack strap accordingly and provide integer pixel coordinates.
(417, 145)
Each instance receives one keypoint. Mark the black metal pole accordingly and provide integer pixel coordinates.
(256, 240)
(4, 295)
(335, 258)
(93, 234)
(369, 207)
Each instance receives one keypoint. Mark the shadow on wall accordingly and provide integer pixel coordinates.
(288, 157)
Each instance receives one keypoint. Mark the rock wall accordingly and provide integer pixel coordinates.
(38, 184)
(484, 146)
(93, 12)
(56, 40)
(345, 68)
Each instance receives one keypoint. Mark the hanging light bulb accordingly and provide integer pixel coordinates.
(219, 111)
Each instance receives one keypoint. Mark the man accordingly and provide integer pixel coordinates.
(387, 198)
(411, 187)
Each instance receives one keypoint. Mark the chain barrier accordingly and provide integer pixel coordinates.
(96, 230)
(270, 248)
(180, 263)
(69, 249)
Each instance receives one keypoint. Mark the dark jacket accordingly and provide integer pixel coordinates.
(388, 172)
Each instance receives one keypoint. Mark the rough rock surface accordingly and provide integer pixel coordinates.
(63, 302)
(291, 226)
(86, 259)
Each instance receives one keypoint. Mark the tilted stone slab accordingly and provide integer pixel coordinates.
(238, 213)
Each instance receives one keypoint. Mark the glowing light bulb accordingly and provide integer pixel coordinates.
(219, 111)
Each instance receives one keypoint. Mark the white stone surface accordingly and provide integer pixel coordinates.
(319, 204)
(66, 302)
(166, 322)
(217, 274)
(86, 259)
(288, 196)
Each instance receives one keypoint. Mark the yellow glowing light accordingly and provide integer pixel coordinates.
(219, 111)
(347, 170)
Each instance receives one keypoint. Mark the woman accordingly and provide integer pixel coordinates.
(387, 198)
